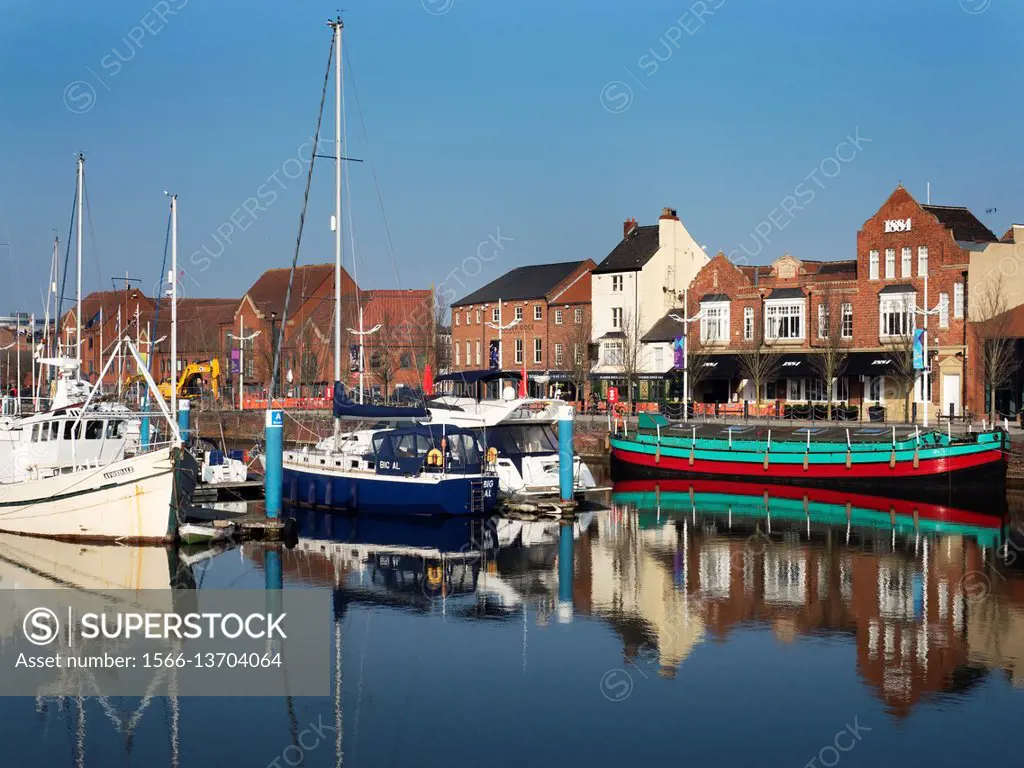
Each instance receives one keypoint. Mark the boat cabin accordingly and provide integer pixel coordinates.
(61, 439)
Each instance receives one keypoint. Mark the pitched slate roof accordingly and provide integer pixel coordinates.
(901, 288)
(532, 282)
(632, 252)
(786, 293)
(666, 329)
(965, 225)
(713, 297)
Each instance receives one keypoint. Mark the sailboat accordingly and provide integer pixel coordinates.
(412, 469)
(64, 472)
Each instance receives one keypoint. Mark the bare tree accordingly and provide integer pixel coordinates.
(314, 351)
(698, 355)
(995, 342)
(382, 360)
(632, 352)
(576, 339)
(759, 362)
(902, 371)
(832, 347)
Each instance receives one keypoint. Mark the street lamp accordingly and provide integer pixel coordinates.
(500, 329)
(241, 338)
(924, 312)
(360, 333)
(686, 320)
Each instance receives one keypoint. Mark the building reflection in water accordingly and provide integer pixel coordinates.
(926, 593)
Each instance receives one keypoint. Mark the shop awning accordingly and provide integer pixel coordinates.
(796, 366)
(719, 367)
(868, 364)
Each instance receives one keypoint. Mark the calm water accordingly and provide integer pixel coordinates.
(704, 628)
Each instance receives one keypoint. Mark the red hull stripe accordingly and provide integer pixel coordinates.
(926, 467)
(819, 495)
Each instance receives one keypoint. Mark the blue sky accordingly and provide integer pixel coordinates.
(546, 123)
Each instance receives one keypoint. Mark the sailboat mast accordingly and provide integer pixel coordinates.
(78, 261)
(174, 306)
(337, 25)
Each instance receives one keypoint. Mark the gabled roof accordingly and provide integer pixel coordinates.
(268, 292)
(632, 252)
(965, 225)
(666, 329)
(533, 282)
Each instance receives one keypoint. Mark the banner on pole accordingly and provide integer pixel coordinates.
(235, 361)
(919, 364)
(492, 356)
(677, 353)
(353, 358)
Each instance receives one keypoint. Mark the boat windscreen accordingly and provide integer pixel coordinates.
(523, 438)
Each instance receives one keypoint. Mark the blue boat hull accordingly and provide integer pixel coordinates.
(387, 494)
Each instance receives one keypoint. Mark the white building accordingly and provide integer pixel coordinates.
(642, 278)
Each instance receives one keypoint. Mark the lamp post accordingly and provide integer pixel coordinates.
(686, 320)
(501, 329)
(241, 338)
(361, 333)
(924, 312)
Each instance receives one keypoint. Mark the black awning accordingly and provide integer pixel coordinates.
(719, 367)
(868, 363)
(795, 366)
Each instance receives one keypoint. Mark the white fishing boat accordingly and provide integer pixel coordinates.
(521, 430)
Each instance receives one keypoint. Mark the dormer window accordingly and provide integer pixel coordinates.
(784, 316)
(896, 313)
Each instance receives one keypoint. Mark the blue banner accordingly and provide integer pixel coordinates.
(677, 353)
(919, 349)
(492, 355)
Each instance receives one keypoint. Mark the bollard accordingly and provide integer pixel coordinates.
(565, 453)
(565, 571)
(184, 418)
(144, 426)
(274, 461)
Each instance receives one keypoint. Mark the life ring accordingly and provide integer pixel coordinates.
(492, 455)
(434, 575)
(434, 458)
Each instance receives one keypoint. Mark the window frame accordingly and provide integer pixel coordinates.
(558, 317)
(873, 258)
(721, 312)
(906, 262)
(781, 309)
(890, 263)
(748, 323)
(884, 309)
(538, 350)
(958, 300)
(922, 263)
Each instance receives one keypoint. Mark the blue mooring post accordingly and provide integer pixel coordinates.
(272, 569)
(565, 571)
(274, 462)
(184, 418)
(144, 426)
(565, 453)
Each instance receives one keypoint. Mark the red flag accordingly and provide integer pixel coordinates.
(428, 380)
(522, 381)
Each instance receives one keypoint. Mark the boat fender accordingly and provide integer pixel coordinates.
(608, 442)
(892, 459)
(805, 462)
(657, 455)
(492, 455)
(691, 455)
(434, 575)
(766, 462)
(849, 458)
(917, 459)
(434, 457)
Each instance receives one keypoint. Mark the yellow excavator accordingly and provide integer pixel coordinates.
(191, 382)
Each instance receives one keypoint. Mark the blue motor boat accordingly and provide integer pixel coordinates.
(409, 470)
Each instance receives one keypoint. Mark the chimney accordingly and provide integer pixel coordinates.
(669, 213)
(628, 226)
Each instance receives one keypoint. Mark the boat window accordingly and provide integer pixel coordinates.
(115, 429)
(93, 430)
(411, 445)
(463, 449)
(54, 427)
(67, 429)
(532, 438)
(35, 433)
(44, 431)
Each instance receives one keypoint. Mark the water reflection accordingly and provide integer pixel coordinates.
(921, 591)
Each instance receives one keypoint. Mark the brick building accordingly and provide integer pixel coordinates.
(795, 311)
(544, 313)
(393, 357)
